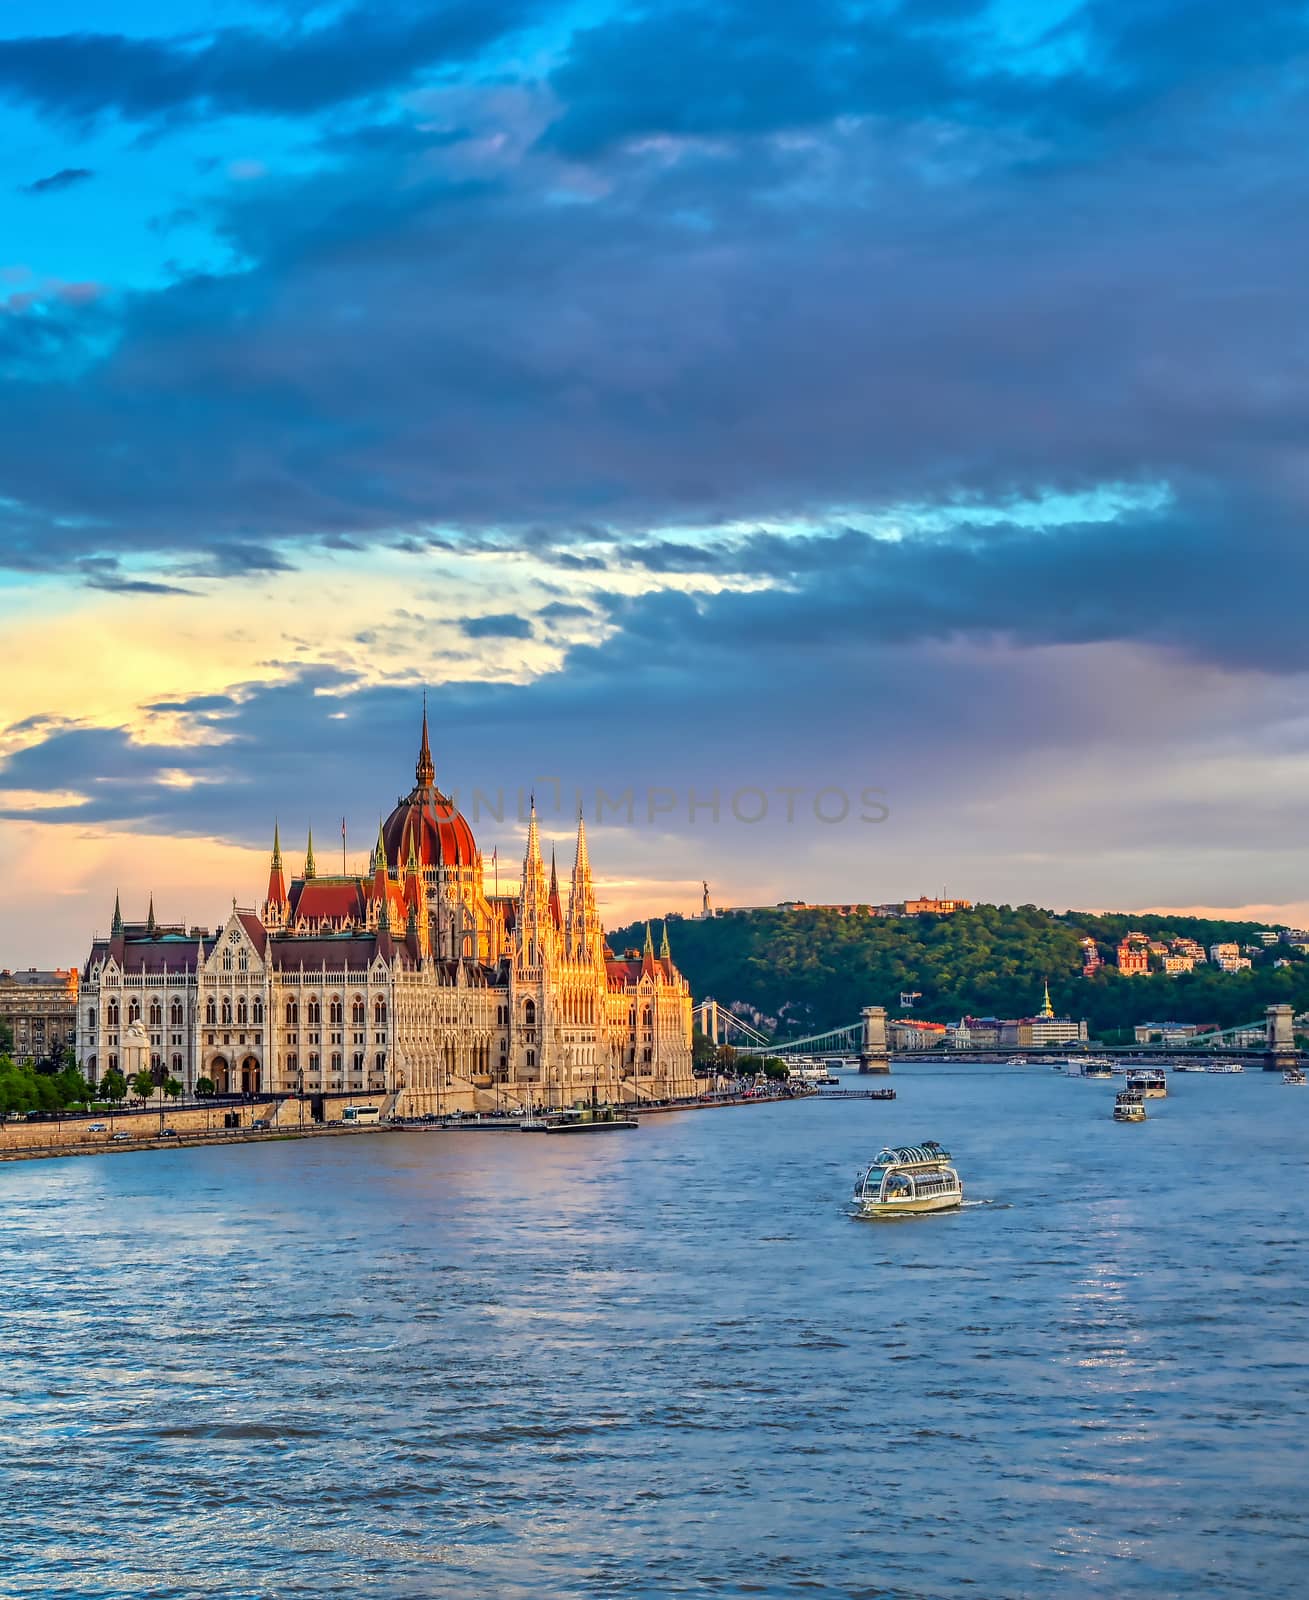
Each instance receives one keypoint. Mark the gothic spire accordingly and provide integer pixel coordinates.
(649, 941)
(1047, 1010)
(311, 870)
(116, 929)
(533, 930)
(556, 911)
(665, 953)
(425, 770)
(276, 882)
(150, 924)
(583, 920)
(277, 847)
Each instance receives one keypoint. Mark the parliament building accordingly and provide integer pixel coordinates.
(410, 984)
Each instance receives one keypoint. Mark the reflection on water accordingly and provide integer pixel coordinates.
(667, 1362)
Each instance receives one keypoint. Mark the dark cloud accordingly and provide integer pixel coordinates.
(503, 626)
(896, 315)
(293, 71)
(65, 178)
(103, 572)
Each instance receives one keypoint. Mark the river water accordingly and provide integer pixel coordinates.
(667, 1363)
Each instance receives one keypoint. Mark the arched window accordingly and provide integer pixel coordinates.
(336, 1061)
(292, 1014)
(529, 1013)
(315, 1012)
(227, 1011)
(90, 1068)
(258, 1010)
(379, 1013)
(359, 1061)
(359, 1012)
(227, 960)
(90, 1018)
(292, 1062)
(381, 1061)
(645, 1017)
(335, 1012)
(211, 1012)
(243, 961)
(242, 1011)
(175, 1013)
(156, 1014)
(177, 1063)
(134, 1011)
(313, 1061)
(531, 1058)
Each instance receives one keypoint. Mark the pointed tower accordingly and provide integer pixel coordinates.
(116, 926)
(665, 952)
(535, 930)
(415, 893)
(380, 891)
(1047, 1010)
(584, 939)
(151, 926)
(648, 968)
(556, 911)
(275, 906)
(424, 769)
(311, 870)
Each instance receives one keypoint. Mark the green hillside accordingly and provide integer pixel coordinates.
(812, 970)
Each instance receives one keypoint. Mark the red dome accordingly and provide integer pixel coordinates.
(441, 837)
(428, 819)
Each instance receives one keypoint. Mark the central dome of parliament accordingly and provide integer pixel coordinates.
(427, 819)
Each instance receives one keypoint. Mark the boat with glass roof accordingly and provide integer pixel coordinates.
(908, 1180)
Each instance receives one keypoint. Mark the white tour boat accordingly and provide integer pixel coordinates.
(1150, 1081)
(1226, 1067)
(1294, 1075)
(908, 1180)
(1129, 1106)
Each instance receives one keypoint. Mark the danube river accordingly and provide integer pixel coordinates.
(667, 1363)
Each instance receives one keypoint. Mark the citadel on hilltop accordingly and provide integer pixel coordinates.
(410, 982)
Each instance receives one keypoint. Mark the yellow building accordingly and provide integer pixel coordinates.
(410, 983)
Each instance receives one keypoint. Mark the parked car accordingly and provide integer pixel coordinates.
(97, 1127)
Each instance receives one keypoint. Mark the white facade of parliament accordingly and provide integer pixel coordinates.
(410, 983)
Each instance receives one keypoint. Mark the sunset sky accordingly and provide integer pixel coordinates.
(908, 395)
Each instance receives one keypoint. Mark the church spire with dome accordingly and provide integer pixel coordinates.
(425, 769)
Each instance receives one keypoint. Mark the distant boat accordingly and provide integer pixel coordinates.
(1151, 1082)
(1294, 1075)
(1129, 1106)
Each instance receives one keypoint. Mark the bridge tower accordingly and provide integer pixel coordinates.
(873, 1053)
(1281, 1052)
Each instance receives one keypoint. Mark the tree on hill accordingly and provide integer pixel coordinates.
(805, 970)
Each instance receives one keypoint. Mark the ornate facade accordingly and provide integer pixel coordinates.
(410, 983)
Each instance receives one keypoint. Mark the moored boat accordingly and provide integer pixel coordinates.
(908, 1180)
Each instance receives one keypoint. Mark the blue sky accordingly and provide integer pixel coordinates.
(906, 394)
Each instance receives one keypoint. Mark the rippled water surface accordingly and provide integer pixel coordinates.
(667, 1363)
